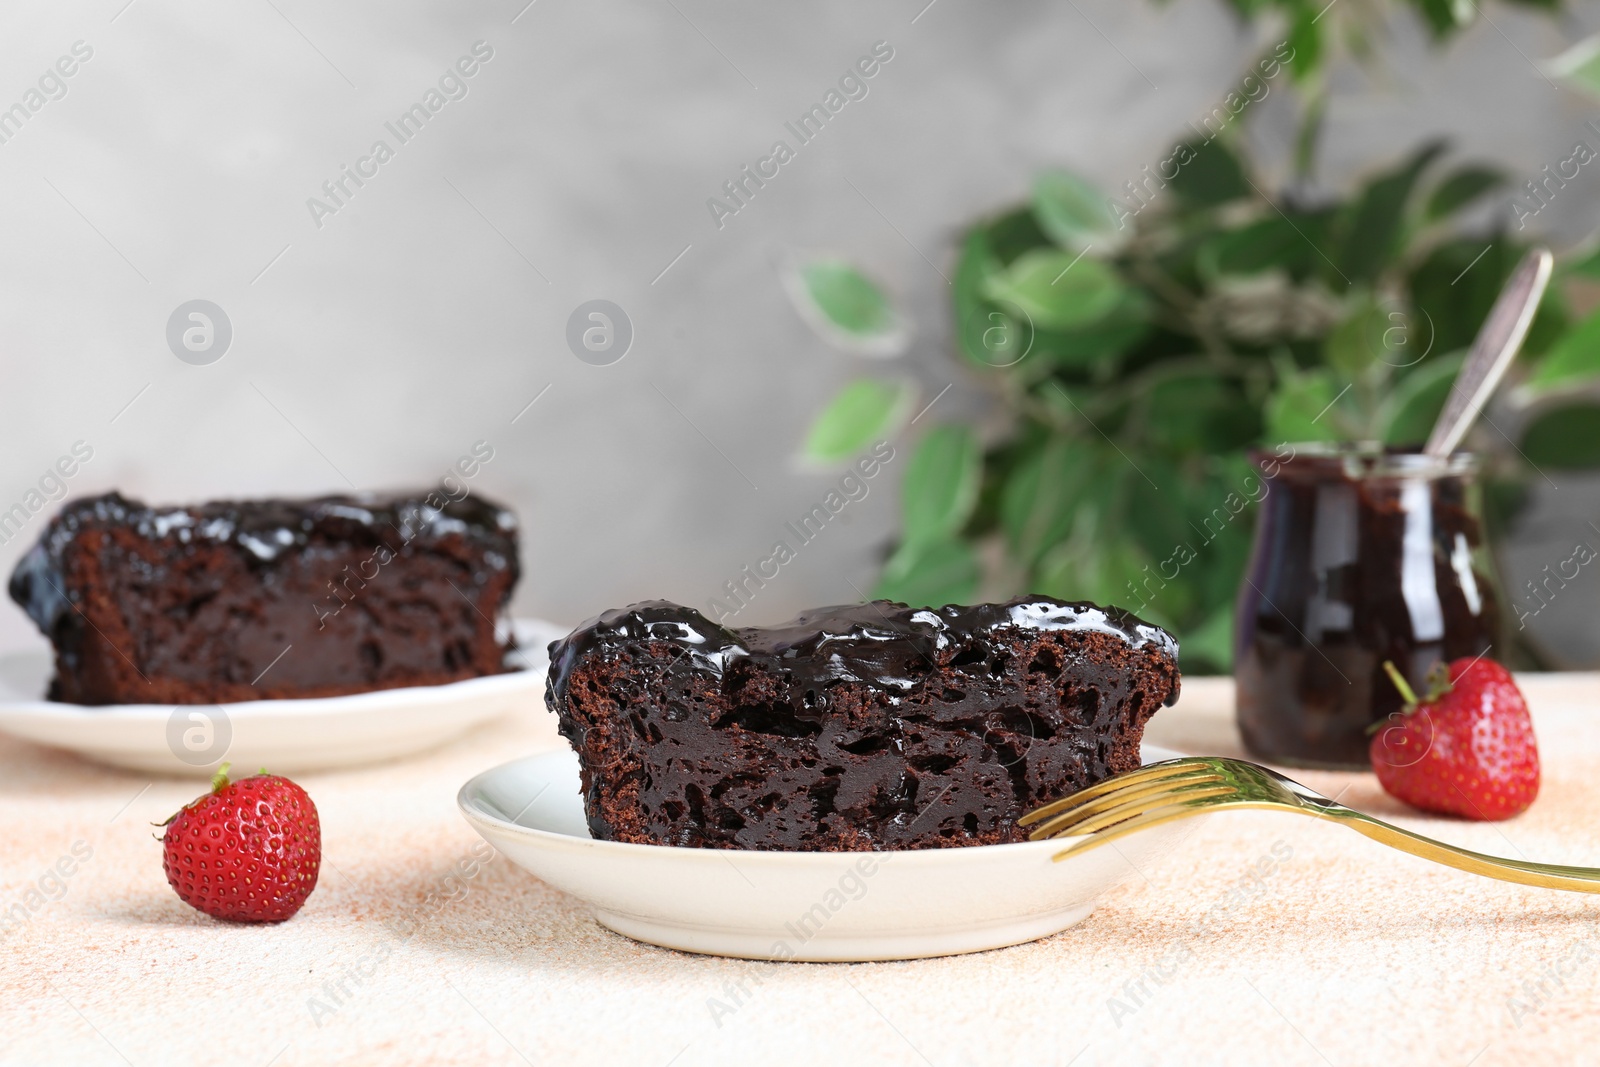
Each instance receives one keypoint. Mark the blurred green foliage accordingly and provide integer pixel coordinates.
(1141, 345)
(1317, 26)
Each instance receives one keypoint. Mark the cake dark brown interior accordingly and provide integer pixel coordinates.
(872, 726)
(249, 600)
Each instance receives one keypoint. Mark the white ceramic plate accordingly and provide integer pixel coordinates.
(286, 736)
(813, 906)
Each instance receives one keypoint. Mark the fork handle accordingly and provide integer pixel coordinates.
(1543, 875)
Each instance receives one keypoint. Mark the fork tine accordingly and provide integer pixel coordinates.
(1172, 768)
(1153, 817)
(1083, 808)
(1074, 823)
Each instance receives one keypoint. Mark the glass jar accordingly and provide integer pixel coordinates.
(1361, 555)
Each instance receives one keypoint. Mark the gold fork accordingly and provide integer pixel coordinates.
(1180, 788)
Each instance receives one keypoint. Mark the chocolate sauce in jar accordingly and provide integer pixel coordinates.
(1360, 556)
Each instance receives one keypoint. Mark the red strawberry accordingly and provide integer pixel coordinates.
(1466, 750)
(247, 851)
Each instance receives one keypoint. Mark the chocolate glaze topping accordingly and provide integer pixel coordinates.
(881, 643)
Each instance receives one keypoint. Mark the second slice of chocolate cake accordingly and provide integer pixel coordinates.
(872, 726)
(260, 599)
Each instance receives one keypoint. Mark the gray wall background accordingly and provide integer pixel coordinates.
(431, 309)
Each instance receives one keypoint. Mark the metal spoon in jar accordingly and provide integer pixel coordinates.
(1492, 351)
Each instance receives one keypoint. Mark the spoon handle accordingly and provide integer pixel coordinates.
(1492, 351)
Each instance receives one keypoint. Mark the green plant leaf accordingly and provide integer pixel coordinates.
(1574, 358)
(977, 264)
(1292, 242)
(1015, 232)
(1057, 290)
(1224, 521)
(847, 297)
(1551, 321)
(1001, 338)
(930, 575)
(1158, 504)
(1262, 245)
(847, 309)
(1075, 214)
(1091, 349)
(1199, 414)
(1212, 176)
(1299, 408)
(1444, 17)
(1097, 346)
(1208, 648)
(941, 484)
(1579, 66)
(1357, 341)
(1195, 530)
(1565, 438)
(1453, 288)
(1041, 497)
(864, 411)
(1103, 572)
(1461, 188)
(1372, 224)
(1305, 38)
(1406, 416)
(1587, 265)
(989, 336)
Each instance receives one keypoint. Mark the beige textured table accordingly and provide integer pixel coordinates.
(1265, 939)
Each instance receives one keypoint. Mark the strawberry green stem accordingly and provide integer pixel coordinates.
(219, 782)
(1408, 694)
(1438, 681)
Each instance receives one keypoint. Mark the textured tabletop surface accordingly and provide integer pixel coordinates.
(1262, 939)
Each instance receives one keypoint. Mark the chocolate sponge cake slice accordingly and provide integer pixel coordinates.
(873, 726)
(249, 600)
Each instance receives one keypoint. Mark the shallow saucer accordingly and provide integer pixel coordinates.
(808, 906)
(287, 736)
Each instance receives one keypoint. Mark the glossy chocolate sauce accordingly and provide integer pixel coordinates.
(882, 644)
(1360, 557)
